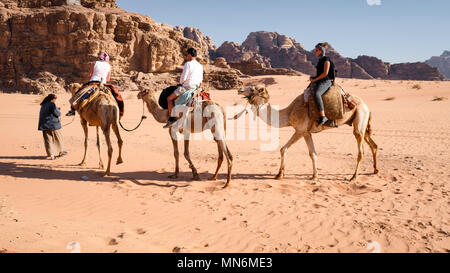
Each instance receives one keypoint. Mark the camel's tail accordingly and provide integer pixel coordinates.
(369, 126)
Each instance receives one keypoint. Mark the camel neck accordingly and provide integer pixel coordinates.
(158, 113)
(273, 116)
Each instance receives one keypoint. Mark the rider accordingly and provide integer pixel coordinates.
(191, 78)
(101, 69)
(323, 82)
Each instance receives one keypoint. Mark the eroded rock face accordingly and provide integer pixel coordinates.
(280, 51)
(414, 71)
(442, 63)
(205, 42)
(64, 40)
(254, 68)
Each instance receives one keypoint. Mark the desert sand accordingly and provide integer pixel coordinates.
(45, 205)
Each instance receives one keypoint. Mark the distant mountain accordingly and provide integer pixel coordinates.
(442, 63)
(280, 51)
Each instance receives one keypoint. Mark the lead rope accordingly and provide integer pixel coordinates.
(140, 122)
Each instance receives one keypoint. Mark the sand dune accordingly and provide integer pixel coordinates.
(45, 205)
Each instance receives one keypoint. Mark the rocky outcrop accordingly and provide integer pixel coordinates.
(254, 68)
(222, 79)
(373, 66)
(442, 63)
(280, 51)
(45, 41)
(205, 42)
(234, 53)
(414, 71)
(51, 3)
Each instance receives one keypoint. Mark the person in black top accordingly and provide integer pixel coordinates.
(322, 81)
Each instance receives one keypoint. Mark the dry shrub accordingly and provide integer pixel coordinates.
(437, 98)
(417, 86)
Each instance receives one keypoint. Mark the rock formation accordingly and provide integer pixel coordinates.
(414, 71)
(57, 41)
(279, 51)
(442, 63)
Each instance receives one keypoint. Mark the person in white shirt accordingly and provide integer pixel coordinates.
(101, 71)
(191, 78)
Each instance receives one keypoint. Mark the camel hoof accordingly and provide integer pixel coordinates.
(314, 178)
(376, 171)
(225, 186)
(106, 174)
(214, 178)
(119, 161)
(173, 176)
(196, 177)
(279, 177)
(353, 179)
(82, 164)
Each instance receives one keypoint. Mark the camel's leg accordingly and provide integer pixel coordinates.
(86, 132)
(296, 137)
(176, 155)
(106, 132)
(100, 165)
(188, 158)
(359, 130)
(119, 142)
(229, 157)
(312, 153)
(374, 148)
(219, 160)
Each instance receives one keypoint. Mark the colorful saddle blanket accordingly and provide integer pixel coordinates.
(84, 96)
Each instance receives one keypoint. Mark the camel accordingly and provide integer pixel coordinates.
(296, 116)
(103, 113)
(217, 128)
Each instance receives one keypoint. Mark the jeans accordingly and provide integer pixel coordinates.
(321, 88)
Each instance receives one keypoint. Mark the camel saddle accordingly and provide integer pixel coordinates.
(90, 91)
(336, 103)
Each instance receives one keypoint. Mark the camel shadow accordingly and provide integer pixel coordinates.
(23, 157)
(139, 178)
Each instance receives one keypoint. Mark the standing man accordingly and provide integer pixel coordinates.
(191, 78)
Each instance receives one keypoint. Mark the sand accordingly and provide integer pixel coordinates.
(46, 205)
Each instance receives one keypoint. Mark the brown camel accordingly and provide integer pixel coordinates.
(103, 113)
(213, 121)
(296, 116)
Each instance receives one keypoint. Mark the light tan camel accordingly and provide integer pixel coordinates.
(296, 116)
(214, 121)
(103, 113)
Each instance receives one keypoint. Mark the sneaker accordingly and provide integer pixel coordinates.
(170, 122)
(322, 120)
(70, 113)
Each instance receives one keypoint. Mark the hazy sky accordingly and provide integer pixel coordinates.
(393, 30)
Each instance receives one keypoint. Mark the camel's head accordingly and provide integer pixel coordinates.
(74, 87)
(145, 94)
(256, 95)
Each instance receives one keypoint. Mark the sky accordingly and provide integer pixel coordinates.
(393, 30)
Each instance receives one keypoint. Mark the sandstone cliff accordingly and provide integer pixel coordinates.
(53, 41)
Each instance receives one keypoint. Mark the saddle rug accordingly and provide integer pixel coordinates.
(84, 96)
(332, 101)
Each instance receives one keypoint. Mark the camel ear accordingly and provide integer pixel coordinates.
(262, 91)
